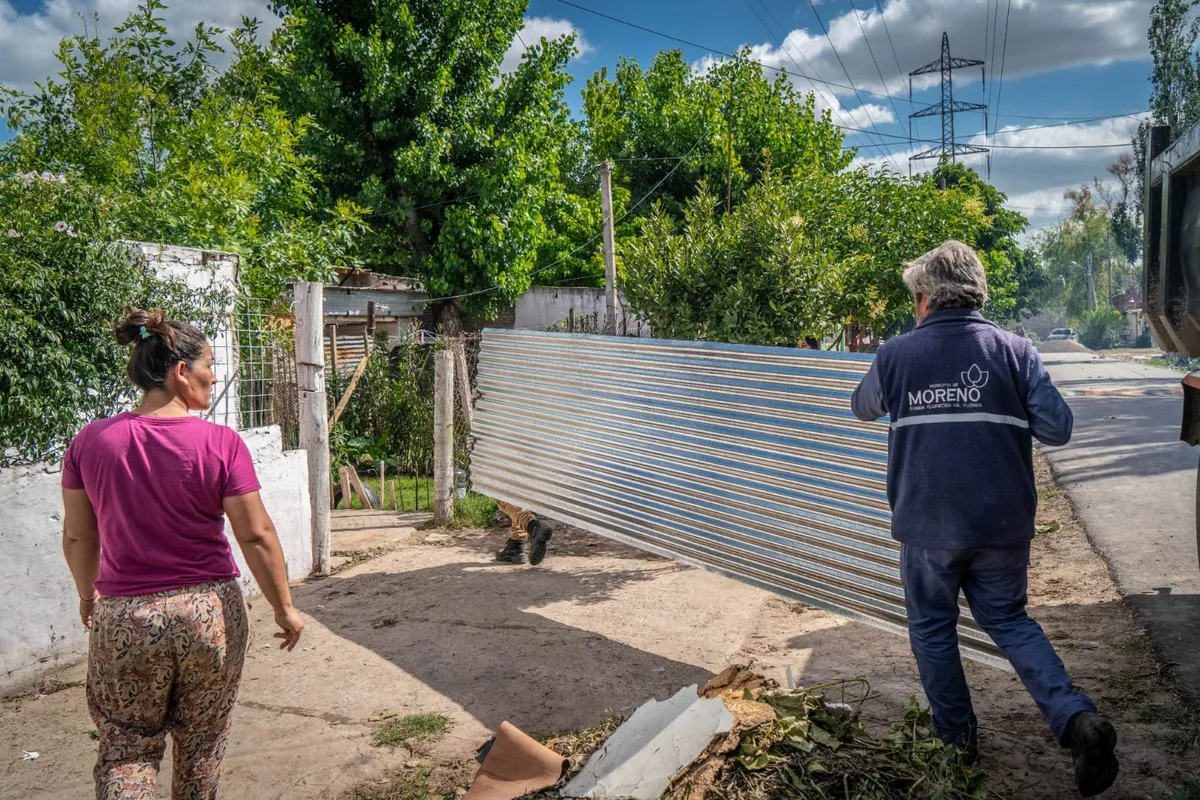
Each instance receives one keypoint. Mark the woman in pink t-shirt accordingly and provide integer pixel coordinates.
(146, 494)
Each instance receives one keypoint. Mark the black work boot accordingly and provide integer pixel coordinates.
(966, 742)
(539, 538)
(513, 552)
(1093, 742)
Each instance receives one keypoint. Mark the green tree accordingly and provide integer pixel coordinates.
(874, 223)
(1016, 283)
(1125, 222)
(731, 122)
(63, 282)
(179, 154)
(754, 276)
(1080, 240)
(1173, 36)
(412, 119)
(1100, 328)
(800, 256)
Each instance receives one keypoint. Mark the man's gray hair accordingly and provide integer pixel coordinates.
(950, 276)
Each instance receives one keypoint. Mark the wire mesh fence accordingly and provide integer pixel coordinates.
(255, 362)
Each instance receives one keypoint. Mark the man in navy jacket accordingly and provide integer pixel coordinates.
(965, 400)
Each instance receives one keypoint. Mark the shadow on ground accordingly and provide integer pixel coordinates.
(1136, 437)
(467, 630)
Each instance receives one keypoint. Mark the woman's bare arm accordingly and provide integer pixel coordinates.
(255, 532)
(81, 547)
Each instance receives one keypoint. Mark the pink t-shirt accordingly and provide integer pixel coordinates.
(157, 484)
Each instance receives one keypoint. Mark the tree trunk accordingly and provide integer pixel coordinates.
(450, 318)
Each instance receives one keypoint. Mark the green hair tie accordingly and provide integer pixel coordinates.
(142, 330)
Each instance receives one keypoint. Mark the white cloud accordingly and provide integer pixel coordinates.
(1042, 37)
(533, 31)
(28, 42)
(1034, 179)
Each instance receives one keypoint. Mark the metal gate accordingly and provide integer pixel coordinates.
(745, 461)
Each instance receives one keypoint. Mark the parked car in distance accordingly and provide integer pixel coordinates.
(1063, 335)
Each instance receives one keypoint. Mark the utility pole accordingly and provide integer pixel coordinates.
(1091, 284)
(948, 106)
(729, 151)
(610, 256)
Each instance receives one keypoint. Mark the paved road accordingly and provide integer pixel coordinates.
(1134, 483)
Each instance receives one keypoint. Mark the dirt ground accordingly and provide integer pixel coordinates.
(436, 626)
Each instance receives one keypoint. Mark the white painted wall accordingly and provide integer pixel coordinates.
(542, 307)
(39, 623)
(203, 270)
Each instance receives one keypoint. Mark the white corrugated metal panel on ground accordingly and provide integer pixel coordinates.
(742, 460)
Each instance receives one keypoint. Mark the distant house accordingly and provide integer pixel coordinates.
(402, 306)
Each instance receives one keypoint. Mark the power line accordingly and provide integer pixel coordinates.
(995, 24)
(882, 16)
(1003, 58)
(589, 242)
(871, 50)
(699, 46)
(1009, 146)
(1109, 116)
(834, 104)
(846, 72)
(987, 25)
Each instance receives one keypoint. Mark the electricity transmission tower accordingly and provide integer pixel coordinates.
(948, 106)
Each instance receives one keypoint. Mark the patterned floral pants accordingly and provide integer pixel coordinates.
(159, 663)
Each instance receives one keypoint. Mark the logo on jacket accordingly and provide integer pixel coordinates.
(963, 395)
(975, 377)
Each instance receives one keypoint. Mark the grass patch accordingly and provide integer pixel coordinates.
(1048, 492)
(410, 730)
(404, 487)
(1149, 698)
(474, 510)
(416, 785)
(1188, 790)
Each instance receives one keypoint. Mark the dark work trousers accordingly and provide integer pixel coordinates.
(994, 581)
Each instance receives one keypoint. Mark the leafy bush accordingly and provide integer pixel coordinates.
(390, 416)
(63, 283)
(474, 510)
(1100, 328)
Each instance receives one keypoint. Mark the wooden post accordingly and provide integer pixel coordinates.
(443, 436)
(464, 381)
(314, 428)
(356, 483)
(610, 256)
(333, 353)
(347, 491)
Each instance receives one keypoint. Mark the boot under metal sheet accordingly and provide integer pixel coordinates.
(745, 461)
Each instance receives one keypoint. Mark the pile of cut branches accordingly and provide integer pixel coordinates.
(819, 748)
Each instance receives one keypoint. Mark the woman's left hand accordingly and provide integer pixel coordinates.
(86, 607)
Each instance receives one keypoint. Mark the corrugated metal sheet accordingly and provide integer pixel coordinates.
(393, 302)
(742, 460)
(350, 350)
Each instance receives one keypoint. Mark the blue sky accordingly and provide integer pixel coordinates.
(1063, 59)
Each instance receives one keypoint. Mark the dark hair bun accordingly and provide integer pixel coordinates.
(153, 323)
(158, 344)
